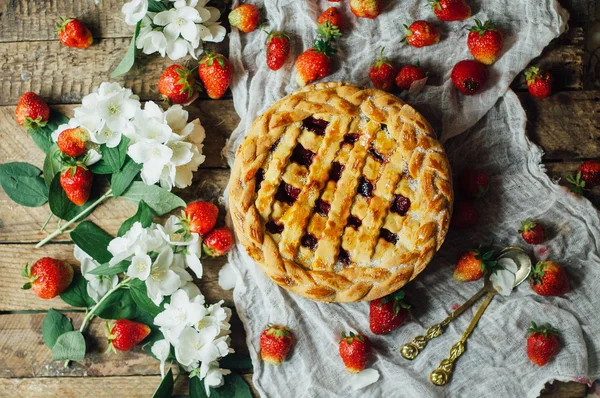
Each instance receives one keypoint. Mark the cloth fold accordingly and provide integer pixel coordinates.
(493, 138)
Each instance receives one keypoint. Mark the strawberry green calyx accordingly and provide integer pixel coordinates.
(532, 74)
(481, 28)
(488, 266)
(34, 123)
(276, 35)
(325, 47)
(26, 272)
(578, 183)
(110, 337)
(538, 272)
(62, 24)
(544, 329)
(328, 31)
(527, 225)
(408, 32)
(349, 338)
(382, 60)
(210, 57)
(186, 87)
(399, 300)
(435, 5)
(279, 332)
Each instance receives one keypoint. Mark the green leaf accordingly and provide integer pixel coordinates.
(159, 199)
(129, 58)
(100, 167)
(165, 388)
(53, 326)
(69, 346)
(42, 136)
(144, 215)
(76, 294)
(92, 240)
(52, 164)
(234, 387)
(117, 306)
(139, 294)
(115, 157)
(23, 184)
(156, 6)
(60, 205)
(106, 269)
(236, 361)
(122, 179)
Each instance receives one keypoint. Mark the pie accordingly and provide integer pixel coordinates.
(341, 193)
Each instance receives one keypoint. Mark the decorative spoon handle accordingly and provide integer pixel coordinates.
(442, 374)
(416, 345)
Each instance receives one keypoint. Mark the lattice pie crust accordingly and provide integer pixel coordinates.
(341, 193)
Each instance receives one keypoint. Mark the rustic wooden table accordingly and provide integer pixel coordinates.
(565, 125)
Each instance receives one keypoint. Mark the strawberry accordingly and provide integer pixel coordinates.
(474, 183)
(388, 313)
(549, 279)
(366, 8)
(542, 343)
(32, 111)
(408, 75)
(451, 10)
(473, 265)
(176, 85)
(77, 183)
(532, 232)
(421, 33)
(278, 49)
(200, 217)
(315, 63)
(275, 343)
(73, 33)
(382, 73)
(485, 42)
(355, 350)
(334, 17)
(464, 216)
(589, 173)
(125, 334)
(245, 17)
(539, 82)
(72, 142)
(48, 277)
(218, 242)
(216, 73)
(469, 76)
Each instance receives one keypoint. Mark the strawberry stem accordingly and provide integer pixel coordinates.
(61, 229)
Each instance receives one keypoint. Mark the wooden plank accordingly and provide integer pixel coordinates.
(98, 387)
(580, 10)
(566, 125)
(15, 256)
(559, 171)
(559, 389)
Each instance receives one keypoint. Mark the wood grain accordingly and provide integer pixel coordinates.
(97, 387)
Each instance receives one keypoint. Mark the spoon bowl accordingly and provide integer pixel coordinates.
(522, 260)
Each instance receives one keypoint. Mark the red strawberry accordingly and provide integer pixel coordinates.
(464, 216)
(218, 242)
(32, 111)
(73, 33)
(549, 279)
(382, 73)
(278, 49)
(313, 64)
(472, 265)
(355, 350)
(200, 217)
(72, 142)
(48, 277)
(451, 10)
(125, 334)
(245, 17)
(408, 75)
(590, 173)
(532, 232)
(485, 42)
(474, 183)
(469, 76)
(366, 8)
(275, 343)
(176, 85)
(539, 82)
(388, 313)
(542, 343)
(216, 73)
(422, 33)
(77, 183)
(334, 17)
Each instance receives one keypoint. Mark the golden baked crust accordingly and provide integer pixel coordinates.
(341, 193)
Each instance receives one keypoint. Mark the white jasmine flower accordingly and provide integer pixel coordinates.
(179, 313)
(217, 318)
(136, 240)
(154, 157)
(152, 41)
(98, 285)
(195, 346)
(162, 280)
(92, 156)
(216, 32)
(192, 290)
(228, 277)
(150, 125)
(161, 350)
(179, 48)
(180, 21)
(134, 11)
(212, 375)
(188, 244)
(140, 267)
